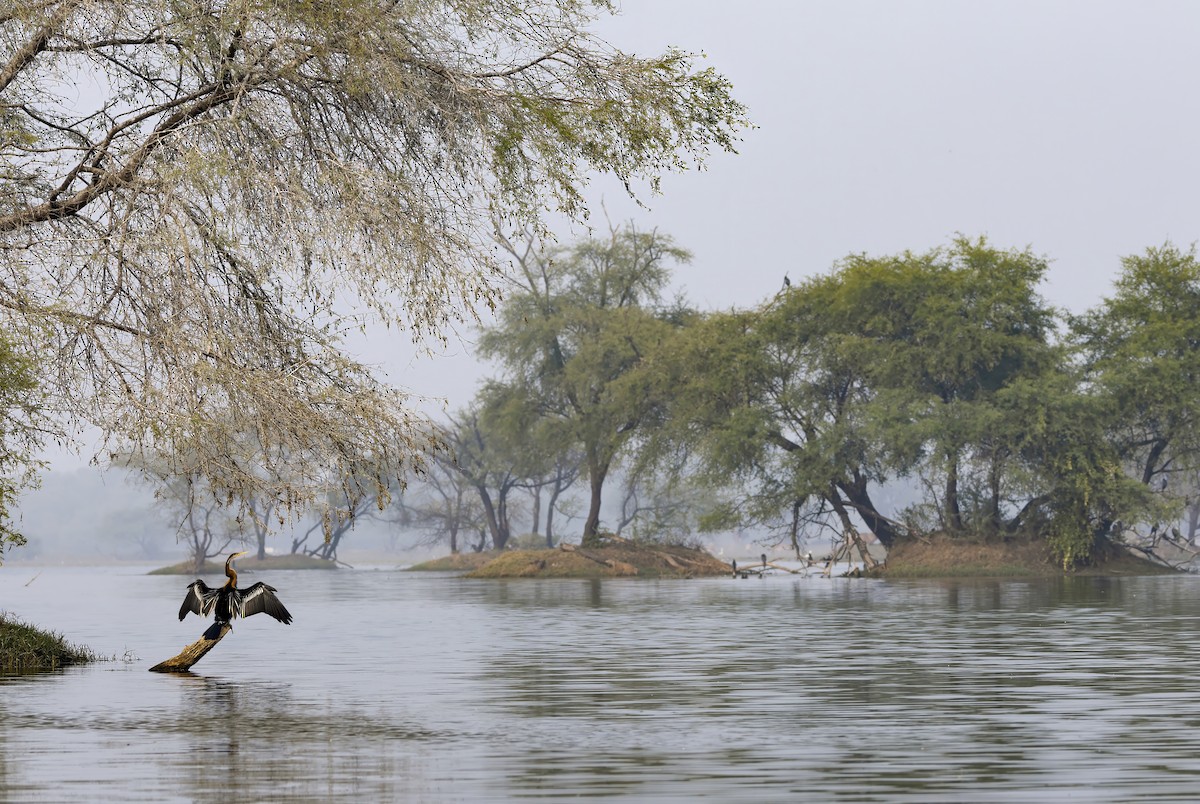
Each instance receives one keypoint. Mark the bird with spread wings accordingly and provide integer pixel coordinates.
(227, 602)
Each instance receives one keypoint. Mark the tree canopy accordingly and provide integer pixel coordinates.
(583, 340)
(197, 199)
(941, 371)
(1141, 347)
(938, 368)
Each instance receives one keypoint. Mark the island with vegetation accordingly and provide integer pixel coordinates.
(613, 558)
(919, 399)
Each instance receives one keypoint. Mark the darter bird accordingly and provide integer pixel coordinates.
(228, 601)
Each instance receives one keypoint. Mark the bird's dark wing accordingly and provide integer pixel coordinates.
(198, 600)
(261, 597)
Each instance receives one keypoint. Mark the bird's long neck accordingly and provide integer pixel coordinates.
(230, 573)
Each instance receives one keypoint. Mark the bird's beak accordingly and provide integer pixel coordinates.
(239, 555)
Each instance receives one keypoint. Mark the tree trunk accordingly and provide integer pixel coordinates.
(489, 510)
(192, 653)
(537, 510)
(994, 520)
(953, 512)
(591, 528)
(796, 506)
(505, 529)
(1151, 467)
(550, 516)
(856, 494)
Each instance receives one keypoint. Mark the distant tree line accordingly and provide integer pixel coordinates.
(945, 369)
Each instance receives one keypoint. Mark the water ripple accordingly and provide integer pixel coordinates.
(392, 686)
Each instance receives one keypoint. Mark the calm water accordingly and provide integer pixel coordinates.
(402, 687)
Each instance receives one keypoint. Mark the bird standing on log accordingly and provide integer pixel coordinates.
(228, 601)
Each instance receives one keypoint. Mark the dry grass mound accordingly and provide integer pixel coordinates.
(458, 562)
(944, 557)
(618, 559)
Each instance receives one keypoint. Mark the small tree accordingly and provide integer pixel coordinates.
(484, 456)
(205, 527)
(659, 509)
(554, 480)
(581, 338)
(443, 505)
(348, 504)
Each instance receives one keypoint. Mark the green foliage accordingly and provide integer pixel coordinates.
(940, 366)
(1141, 352)
(583, 343)
(1070, 471)
(20, 435)
(937, 365)
(939, 338)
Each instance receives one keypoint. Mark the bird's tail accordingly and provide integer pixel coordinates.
(213, 631)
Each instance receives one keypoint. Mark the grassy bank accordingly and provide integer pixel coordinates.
(619, 559)
(25, 649)
(458, 562)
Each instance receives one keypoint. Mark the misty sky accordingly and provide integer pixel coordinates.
(1067, 126)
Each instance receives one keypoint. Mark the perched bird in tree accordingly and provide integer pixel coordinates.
(227, 602)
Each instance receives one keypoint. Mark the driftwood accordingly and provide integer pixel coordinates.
(760, 569)
(193, 652)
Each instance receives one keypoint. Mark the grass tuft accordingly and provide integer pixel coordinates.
(25, 649)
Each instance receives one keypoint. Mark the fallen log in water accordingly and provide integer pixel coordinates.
(193, 652)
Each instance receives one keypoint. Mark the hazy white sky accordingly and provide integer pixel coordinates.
(1069, 126)
(1066, 125)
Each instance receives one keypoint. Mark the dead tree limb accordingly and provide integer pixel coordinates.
(192, 653)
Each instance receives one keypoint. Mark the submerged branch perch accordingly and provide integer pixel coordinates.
(192, 653)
